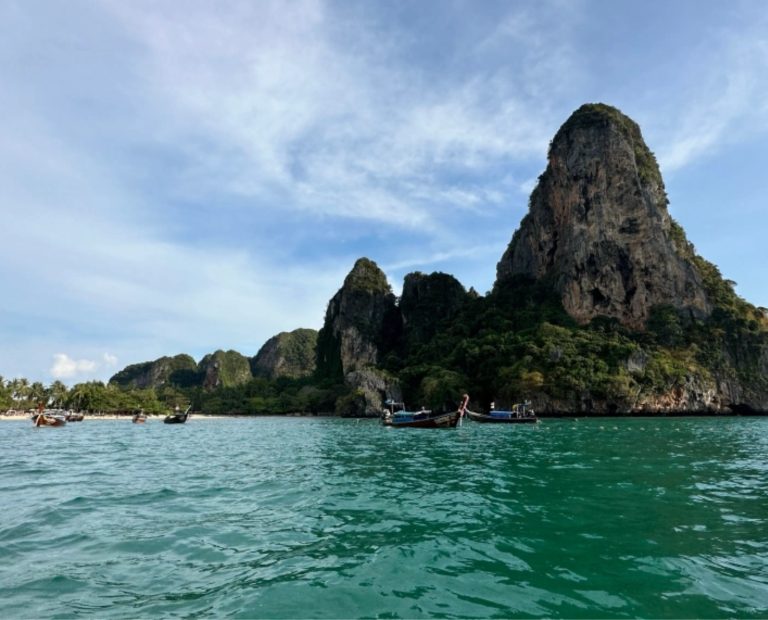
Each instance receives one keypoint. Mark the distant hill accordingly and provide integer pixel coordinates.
(289, 354)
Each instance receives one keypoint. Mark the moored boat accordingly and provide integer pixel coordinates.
(139, 418)
(40, 419)
(74, 417)
(520, 414)
(177, 418)
(423, 418)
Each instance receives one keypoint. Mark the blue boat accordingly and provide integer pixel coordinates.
(520, 414)
(422, 419)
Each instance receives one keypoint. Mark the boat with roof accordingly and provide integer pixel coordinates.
(422, 419)
(521, 413)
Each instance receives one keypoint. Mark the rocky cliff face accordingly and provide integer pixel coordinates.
(177, 370)
(721, 393)
(598, 226)
(224, 369)
(289, 354)
(361, 323)
(370, 390)
(429, 302)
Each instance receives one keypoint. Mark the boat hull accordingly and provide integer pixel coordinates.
(139, 420)
(41, 420)
(175, 419)
(444, 420)
(486, 419)
(75, 417)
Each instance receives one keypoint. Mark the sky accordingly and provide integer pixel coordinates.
(201, 175)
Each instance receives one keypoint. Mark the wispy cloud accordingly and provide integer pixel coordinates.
(292, 113)
(726, 103)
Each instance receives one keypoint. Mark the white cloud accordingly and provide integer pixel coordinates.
(66, 368)
(110, 360)
(725, 104)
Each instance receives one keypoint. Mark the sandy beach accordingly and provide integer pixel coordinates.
(126, 418)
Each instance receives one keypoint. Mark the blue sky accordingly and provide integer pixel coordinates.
(189, 176)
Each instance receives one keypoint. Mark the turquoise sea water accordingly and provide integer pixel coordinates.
(326, 518)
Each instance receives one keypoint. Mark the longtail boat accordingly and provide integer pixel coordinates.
(423, 418)
(74, 417)
(520, 414)
(139, 418)
(178, 418)
(40, 419)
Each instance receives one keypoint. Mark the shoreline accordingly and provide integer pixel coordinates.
(127, 418)
(26, 417)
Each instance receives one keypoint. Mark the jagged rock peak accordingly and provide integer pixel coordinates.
(598, 226)
(361, 323)
(366, 276)
(289, 354)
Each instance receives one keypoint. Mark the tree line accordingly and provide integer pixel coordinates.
(257, 397)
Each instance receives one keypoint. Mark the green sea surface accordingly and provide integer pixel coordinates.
(331, 518)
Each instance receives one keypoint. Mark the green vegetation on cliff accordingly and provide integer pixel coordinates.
(519, 341)
(233, 368)
(180, 369)
(734, 339)
(329, 367)
(366, 276)
(289, 354)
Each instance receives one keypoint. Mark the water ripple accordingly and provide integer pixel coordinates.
(319, 518)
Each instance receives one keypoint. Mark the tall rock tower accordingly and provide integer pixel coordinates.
(598, 226)
(361, 323)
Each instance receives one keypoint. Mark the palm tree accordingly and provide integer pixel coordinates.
(37, 393)
(58, 392)
(5, 393)
(77, 393)
(14, 387)
(23, 390)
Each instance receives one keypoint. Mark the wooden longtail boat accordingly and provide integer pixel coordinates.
(178, 418)
(520, 414)
(139, 418)
(40, 419)
(74, 417)
(48, 420)
(423, 419)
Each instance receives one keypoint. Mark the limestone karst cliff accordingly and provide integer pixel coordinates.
(219, 369)
(360, 323)
(427, 303)
(177, 370)
(600, 307)
(598, 226)
(224, 369)
(289, 354)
